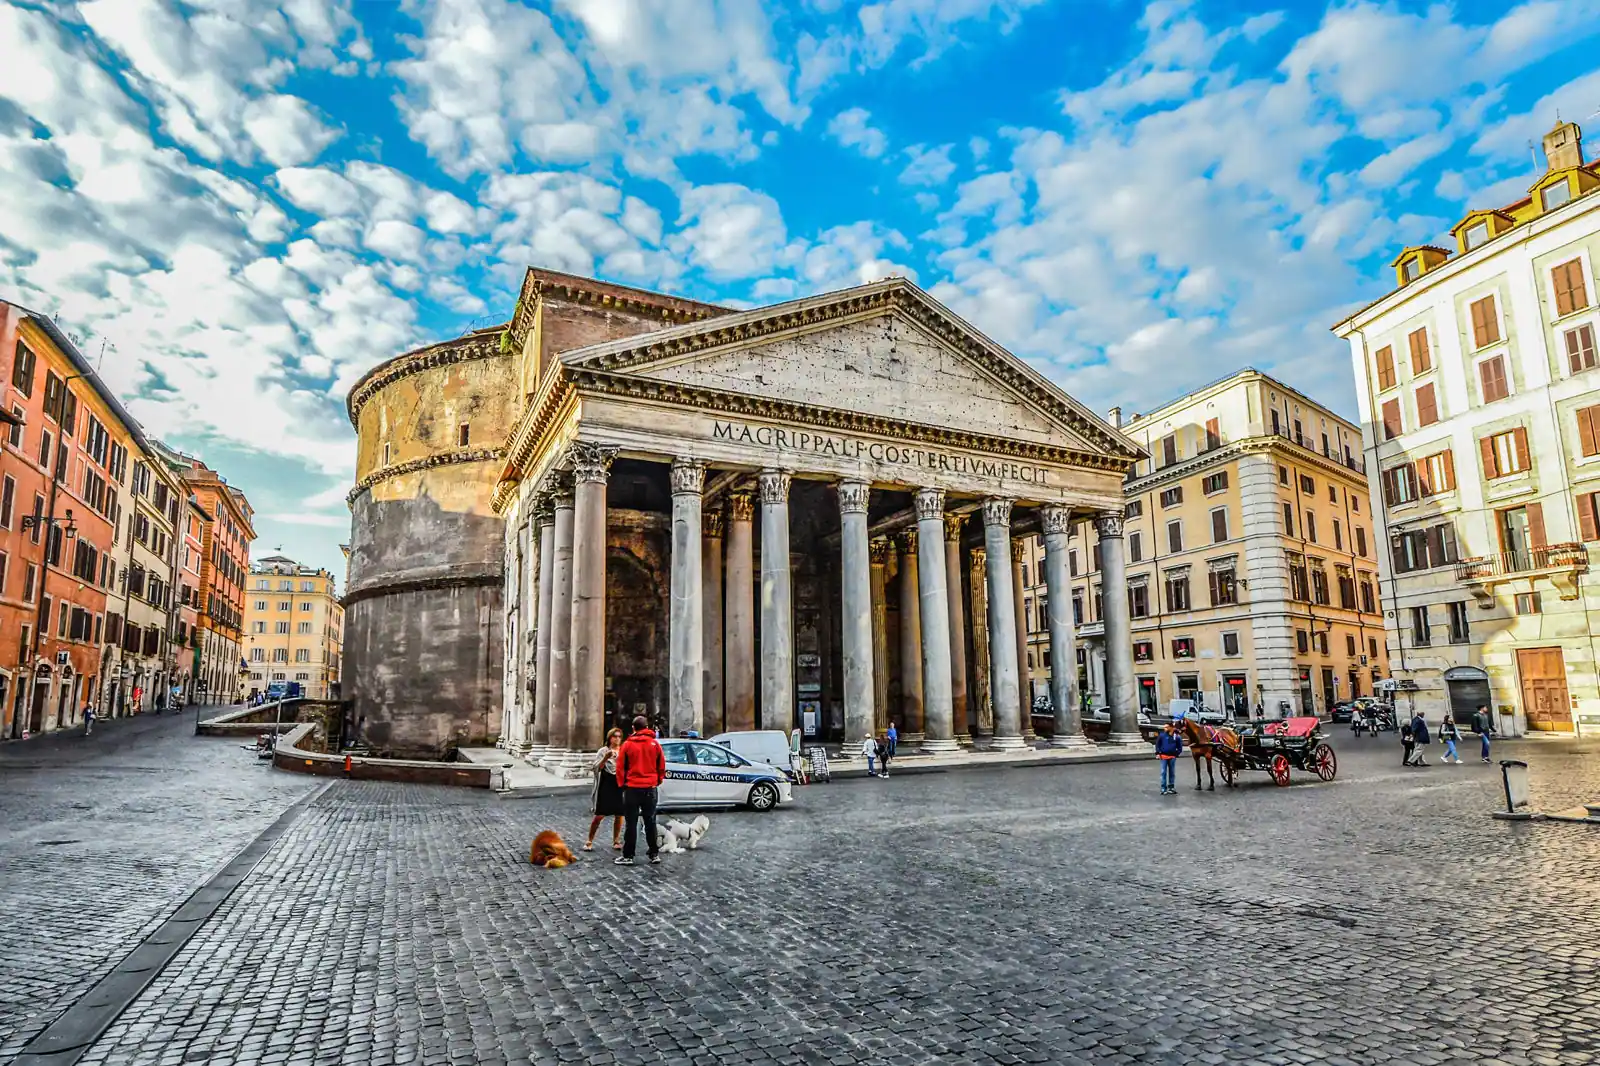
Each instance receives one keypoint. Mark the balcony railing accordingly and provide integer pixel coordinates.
(1354, 462)
(1568, 556)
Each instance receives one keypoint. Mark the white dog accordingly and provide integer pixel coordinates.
(676, 835)
(666, 839)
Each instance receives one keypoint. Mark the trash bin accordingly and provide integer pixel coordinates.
(1514, 779)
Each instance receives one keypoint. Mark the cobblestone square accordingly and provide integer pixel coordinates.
(1030, 915)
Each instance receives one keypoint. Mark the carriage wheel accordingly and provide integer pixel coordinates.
(1280, 769)
(1325, 762)
(1229, 774)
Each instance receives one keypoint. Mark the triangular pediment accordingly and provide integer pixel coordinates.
(885, 350)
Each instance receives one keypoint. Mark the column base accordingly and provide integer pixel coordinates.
(912, 738)
(964, 739)
(1008, 744)
(1077, 740)
(1125, 740)
(534, 753)
(940, 747)
(550, 761)
(572, 764)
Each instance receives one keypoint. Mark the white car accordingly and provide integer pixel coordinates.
(1103, 714)
(702, 774)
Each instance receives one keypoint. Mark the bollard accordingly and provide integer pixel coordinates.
(1514, 779)
(347, 764)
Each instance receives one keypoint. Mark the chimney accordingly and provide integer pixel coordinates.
(1114, 416)
(1563, 147)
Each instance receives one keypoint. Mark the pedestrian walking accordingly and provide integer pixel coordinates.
(1448, 735)
(641, 767)
(1484, 725)
(1409, 742)
(88, 718)
(885, 753)
(605, 798)
(892, 742)
(869, 751)
(1169, 745)
(1419, 733)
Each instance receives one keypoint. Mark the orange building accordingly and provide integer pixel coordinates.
(225, 537)
(63, 467)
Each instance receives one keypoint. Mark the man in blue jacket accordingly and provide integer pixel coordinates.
(1169, 745)
(1419, 731)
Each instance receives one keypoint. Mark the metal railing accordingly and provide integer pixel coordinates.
(1354, 462)
(1568, 556)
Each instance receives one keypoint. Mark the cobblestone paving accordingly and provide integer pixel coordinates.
(103, 837)
(1041, 915)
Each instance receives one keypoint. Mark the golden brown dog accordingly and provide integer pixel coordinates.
(550, 851)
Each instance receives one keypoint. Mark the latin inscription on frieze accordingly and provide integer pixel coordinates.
(887, 453)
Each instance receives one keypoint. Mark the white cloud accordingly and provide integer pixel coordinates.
(928, 166)
(853, 129)
(731, 231)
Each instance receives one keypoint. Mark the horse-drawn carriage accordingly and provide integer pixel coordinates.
(1277, 748)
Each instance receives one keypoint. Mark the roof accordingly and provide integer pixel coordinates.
(85, 372)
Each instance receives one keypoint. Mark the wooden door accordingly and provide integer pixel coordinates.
(1544, 689)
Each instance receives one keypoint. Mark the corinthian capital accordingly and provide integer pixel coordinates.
(1056, 519)
(712, 524)
(996, 511)
(853, 497)
(1017, 545)
(688, 477)
(741, 506)
(930, 503)
(908, 541)
(880, 551)
(773, 486)
(952, 526)
(592, 462)
(1108, 523)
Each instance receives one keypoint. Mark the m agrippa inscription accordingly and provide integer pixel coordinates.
(911, 457)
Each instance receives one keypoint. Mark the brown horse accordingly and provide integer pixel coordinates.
(1206, 742)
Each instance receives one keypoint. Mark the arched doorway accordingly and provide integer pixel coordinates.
(1468, 689)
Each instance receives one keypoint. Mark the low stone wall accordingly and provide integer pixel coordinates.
(250, 721)
(297, 752)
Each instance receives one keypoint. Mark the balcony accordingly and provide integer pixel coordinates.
(1353, 462)
(1562, 563)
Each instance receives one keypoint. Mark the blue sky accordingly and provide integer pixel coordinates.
(255, 203)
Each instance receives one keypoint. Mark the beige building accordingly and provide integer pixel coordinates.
(294, 627)
(1251, 566)
(1478, 388)
(141, 657)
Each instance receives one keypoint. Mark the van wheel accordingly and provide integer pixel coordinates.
(763, 797)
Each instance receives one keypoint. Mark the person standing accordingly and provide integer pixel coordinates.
(1408, 741)
(1169, 745)
(885, 752)
(1449, 734)
(605, 800)
(891, 741)
(1485, 728)
(641, 767)
(88, 718)
(869, 751)
(1419, 733)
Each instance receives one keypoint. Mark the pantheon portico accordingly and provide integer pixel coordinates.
(803, 515)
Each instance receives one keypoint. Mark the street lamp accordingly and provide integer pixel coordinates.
(39, 520)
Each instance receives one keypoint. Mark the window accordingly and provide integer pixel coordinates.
(1492, 379)
(1505, 453)
(1369, 604)
(1423, 549)
(1385, 359)
(1230, 645)
(1436, 474)
(1174, 537)
(1338, 536)
(1571, 293)
(1361, 541)
(1025, 581)
(1135, 547)
(1477, 233)
(1215, 483)
(1213, 434)
(286, 586)
(1411, 269)
(54, 391)
(1553, 196)
(280, 655)
(22, 369)
(1219, 525)
(305, 608)
(1309, 526)
(261, 605)
(1134, 509)
(1283, 472)
(1178, 590)
(1458, 623)
(1528, 603)
(1419, 627)
(1169, 449)
(308, 586)
(1183, 647)
(302, 655)
(1302, 642)
(1427, 406)
(1580, 348)
(258, 627)
(1143, 651)
(1308, 485)
(8, 500)
(307, 677)
(1333, 494)
(280, 627)
(1355, 503)
(1347, 588)
(1288, 519)
(1350, 645)
(1589, 516)
(1299, 587)
(1072, 562)
(1421, 360)
(305, 627)
(1319, 585)
(14, 433)
(1077, 608)
(1172, 497)
(1392, 427)
(1223, 587)
(1138, 601)
(30, 581)
(45, 442)
(1485, 323)
(1399, 484)
(283, 605)
(118, 466)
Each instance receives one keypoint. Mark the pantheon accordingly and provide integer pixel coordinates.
(804, 515)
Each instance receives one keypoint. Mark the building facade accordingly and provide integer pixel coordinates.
(294, 627)
(186, 570)
(218, 671)
(141, 653)
(1477, 383)
(1252, 568)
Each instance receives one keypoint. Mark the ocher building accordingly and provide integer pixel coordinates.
(1252, 568)
(294, 627)
(1480, 395)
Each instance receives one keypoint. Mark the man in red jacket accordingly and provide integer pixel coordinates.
(641, 767)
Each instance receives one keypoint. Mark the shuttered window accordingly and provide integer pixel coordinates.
(1213, 434)
(1427, 406)
(1391, 419)
(1580, 348)
(1421, 360)
(1505, 453)
(1219, 525)
(1436, 474)
(1399, 484)
(1589, 515)
(1571, 292)
(1385, 358)
(1589, 430)
(1169, 449)
(1485, 326)
(1492, 378)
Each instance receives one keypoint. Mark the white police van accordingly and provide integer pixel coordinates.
(702, 774)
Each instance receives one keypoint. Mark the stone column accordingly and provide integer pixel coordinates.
(545, 516)
(711, 606)
(558, 701)
(1057, 523)
(1002, 624)
(956, 615)
(880, 634)
(591, 467)
(740, 614)
(1120, 695)
(980, 681)
(777, 611)
(934, 595)
(856, 613)
(1024, 678)
(686, 639)
(911, 728)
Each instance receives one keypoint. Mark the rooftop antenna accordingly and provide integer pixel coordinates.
(100, 360)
